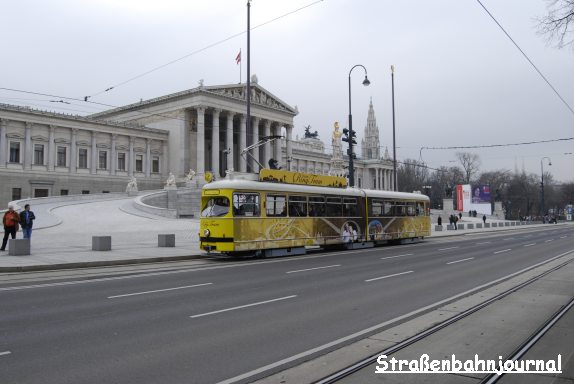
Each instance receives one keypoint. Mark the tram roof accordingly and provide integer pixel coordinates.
(252, 185)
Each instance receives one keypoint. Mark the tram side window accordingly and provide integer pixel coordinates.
(375, 207)
(334, 207)
(379, 208)
(350, 207)
(246, 204)
(316, 206)
(297, 206)
(276, 205)
(400, 209)
(411, 209)
(421, 209)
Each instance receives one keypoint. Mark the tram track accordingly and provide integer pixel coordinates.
(491, 378)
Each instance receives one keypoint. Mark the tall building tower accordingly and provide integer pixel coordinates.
(370, 144)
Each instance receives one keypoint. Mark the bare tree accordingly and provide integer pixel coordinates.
(558, 24)
(412, 175)
(470, 163)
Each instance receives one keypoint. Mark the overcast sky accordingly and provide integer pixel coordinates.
(459, 80)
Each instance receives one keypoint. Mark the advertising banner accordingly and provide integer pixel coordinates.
(481, 194)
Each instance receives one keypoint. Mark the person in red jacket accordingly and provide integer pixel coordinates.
(10, 221)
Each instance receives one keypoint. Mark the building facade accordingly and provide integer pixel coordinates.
(201, 129)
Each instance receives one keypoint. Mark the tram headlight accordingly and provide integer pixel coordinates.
(206, 232)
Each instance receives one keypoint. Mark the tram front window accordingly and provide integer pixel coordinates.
(216, 206)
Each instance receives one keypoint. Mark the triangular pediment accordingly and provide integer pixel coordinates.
(259, 96)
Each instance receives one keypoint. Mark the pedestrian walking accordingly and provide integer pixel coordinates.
(439, 221)
(27, 218)
(10, 221)
(484, 219)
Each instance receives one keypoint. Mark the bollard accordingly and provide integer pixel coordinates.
(18, 247)
(166, 240)
(101, 243)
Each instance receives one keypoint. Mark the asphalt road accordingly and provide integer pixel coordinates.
(210, 322)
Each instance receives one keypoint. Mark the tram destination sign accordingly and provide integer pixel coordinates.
(288, 177)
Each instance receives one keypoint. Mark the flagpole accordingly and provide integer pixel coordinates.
(248, 93)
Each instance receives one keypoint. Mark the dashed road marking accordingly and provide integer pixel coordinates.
(460, 261)
(312, 269)
(386, 277)
(243, 306)
(158, 290)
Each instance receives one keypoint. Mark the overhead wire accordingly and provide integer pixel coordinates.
(86, 98)
(527, 58)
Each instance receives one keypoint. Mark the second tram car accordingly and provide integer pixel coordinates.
(281, 214)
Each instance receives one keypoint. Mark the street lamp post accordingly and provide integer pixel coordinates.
(542, 211)
(350, 134)
(394, 142)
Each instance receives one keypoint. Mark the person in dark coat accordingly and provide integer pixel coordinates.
(439, 221)
(27, 218)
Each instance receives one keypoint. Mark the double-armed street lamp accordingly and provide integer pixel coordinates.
(542, 212)
(349, 134)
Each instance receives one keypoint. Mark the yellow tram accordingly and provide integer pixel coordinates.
(283, 213)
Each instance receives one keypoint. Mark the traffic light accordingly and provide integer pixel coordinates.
(345, 135)
(351, 154)
(353, 136)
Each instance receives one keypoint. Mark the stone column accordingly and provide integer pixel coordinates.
(93, 165)
(229, 141)
(215, 143)
(113, 155)
(289, 145)
(148, 158)
(131, 158)
(73, 150)
(277, 154)
(51, 149)
(3, 143)
(242, 143)
(267, 148)
(164, 160)
(255, 139)
(200, 147)
(28, 152)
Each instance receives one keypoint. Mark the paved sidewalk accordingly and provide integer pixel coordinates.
(62, 236)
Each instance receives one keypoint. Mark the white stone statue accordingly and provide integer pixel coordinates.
(336, 142)
(132, 185)
(170, 182)
(190, 175)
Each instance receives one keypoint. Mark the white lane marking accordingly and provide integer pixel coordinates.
(548, 241)
(484, 242)
(312, 269)
(509, 238)
(243, 306)
(460, 261)
(504, 250)
(386, 277)
(563, 237)
(5, 353)
(392, 257)
(529, 245)
(158, 290)
(446, 249)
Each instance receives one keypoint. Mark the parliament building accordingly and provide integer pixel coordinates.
(202, 129)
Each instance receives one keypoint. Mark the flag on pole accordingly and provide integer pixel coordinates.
(238, 58)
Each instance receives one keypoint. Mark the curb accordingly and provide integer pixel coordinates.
(90, 264)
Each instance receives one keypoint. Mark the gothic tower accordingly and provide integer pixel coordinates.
(370, 144)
